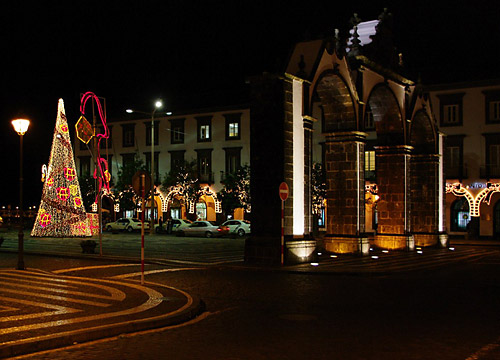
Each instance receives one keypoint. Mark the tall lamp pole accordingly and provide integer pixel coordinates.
(20, 126)
(158, 105)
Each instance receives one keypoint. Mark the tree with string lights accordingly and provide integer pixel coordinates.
(61, 212)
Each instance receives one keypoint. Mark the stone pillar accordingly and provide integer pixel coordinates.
(425, 199)
(393, 181)
(344, 160)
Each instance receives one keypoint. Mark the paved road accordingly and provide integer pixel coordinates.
(447, 312)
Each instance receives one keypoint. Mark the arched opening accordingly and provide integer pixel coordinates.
(459, 215)
(386, 114)
(422, 134)
(337, 105)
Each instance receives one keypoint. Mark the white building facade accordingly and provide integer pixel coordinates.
(216, 139)
(469, 115)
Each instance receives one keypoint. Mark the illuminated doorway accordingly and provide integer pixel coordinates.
(201, 211)
(460, 216)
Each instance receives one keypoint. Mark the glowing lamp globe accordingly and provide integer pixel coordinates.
(21, 125)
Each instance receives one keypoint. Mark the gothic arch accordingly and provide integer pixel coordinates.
(422, 134)
(386, 111)
(337, 103)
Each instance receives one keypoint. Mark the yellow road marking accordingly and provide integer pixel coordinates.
(62, 271)
(59, 310)
(125, 276)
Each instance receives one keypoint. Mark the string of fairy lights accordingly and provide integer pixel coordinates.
(61, 212)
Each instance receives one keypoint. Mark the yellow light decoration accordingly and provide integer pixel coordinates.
(69, 173)
(117, 207)
(45, 219)
(73, 189)
(458, 189)
(63, 193)
(107, 175)
(94, 207)
(78, 202)
(61, 212)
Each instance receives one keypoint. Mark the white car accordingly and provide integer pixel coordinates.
(239, 227)
(204, 228)
(128, 224)
(177, 224)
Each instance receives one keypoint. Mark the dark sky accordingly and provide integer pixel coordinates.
(194, 53)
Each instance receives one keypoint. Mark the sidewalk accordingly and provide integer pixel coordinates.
(41, 310)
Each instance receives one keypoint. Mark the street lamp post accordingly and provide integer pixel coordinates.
(158, 104)
(20, 126)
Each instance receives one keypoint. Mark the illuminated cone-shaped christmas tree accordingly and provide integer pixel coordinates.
(61, 212)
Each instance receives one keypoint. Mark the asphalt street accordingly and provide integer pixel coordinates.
(446, 311)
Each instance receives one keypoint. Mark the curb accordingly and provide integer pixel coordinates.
(34, 345)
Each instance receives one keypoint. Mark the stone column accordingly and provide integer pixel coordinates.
(425, 199)
(393, 180)
(345, 179)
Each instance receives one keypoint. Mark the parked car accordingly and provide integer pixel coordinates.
(128, 224)
(204, 228)
(238, 227)
(177, 224)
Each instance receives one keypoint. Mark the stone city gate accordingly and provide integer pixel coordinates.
(332, 91)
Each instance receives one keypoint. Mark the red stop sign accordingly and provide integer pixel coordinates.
(283, 191)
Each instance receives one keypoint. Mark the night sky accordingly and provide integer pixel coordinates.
(197, 53)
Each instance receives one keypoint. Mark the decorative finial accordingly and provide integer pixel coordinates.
(355, 19)
(356, 43)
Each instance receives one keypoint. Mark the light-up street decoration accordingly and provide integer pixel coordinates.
(61, 213)
(101, 170)
(474, 201)
(181, 191)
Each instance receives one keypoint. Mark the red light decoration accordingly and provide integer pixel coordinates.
(63, 193)
(78, 202)
(45, 219)
(50, 182)
(102, 164)
(69, 173)
(64, 128)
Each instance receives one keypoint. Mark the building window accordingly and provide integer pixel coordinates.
(148, 132)
(492, 155)
(233, 126)
(128, 159)
(453, 158)
(204, 163)
(450, 114)
(177, 131)
(176, 159)
(369, 120)
(494, 115)
(157, 165)
(370, 170)
(451, 109)
(128, 139)
(492, 109)
(370, 160)
(233, 159)
(84, 166)
(204, 128)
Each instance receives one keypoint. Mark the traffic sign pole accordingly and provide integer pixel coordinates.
(143, 186)
(283, 192)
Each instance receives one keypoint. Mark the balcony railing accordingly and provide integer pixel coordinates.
(490, 172)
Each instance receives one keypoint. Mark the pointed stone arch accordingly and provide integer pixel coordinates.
(337, 102)
(387, 115)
